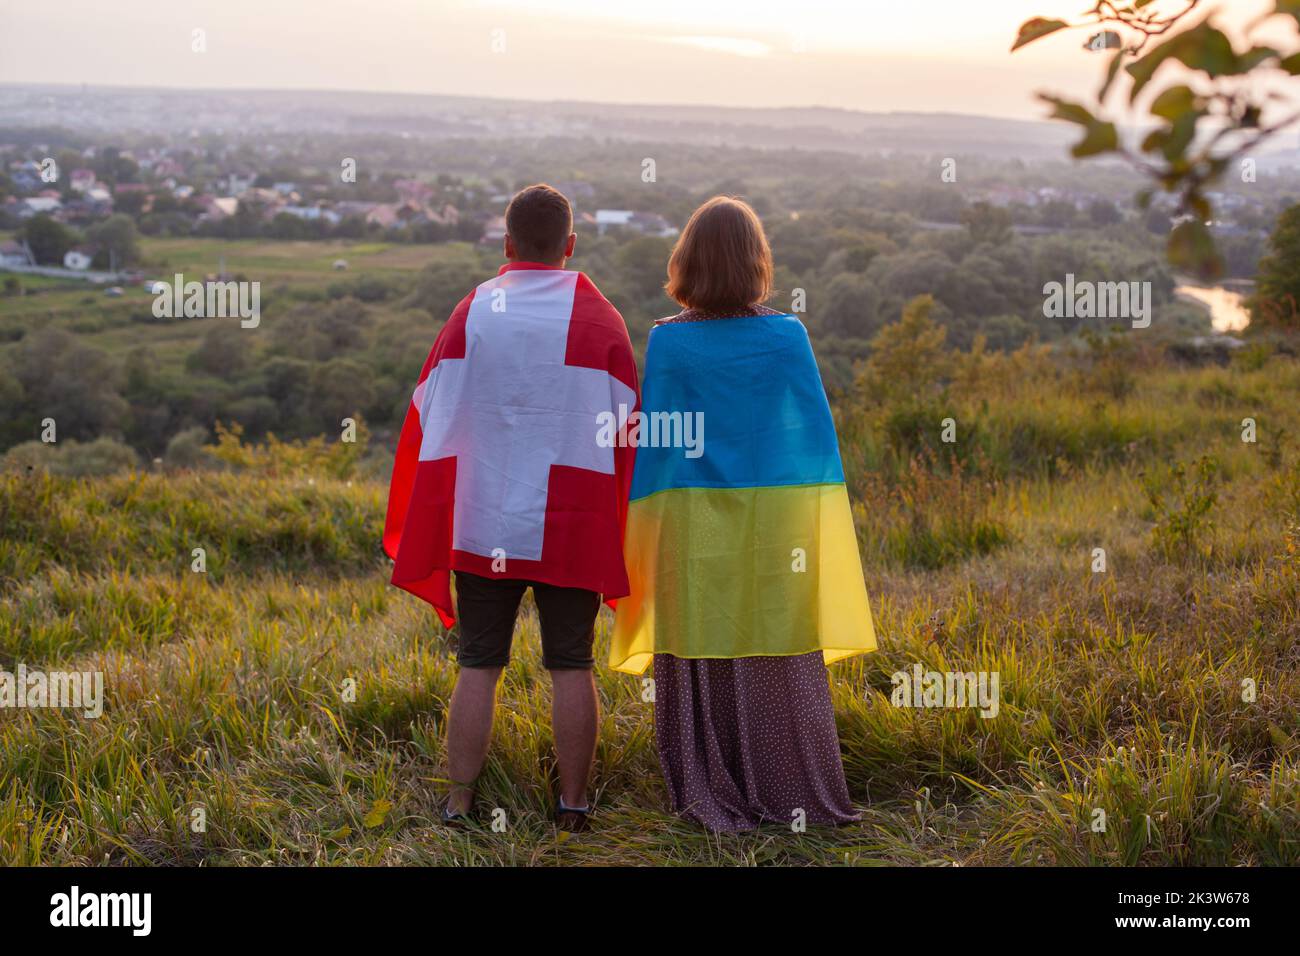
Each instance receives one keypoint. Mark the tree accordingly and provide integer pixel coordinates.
(1058, 213)
(986, 222)
(130, 203)
(1276, 302)
(641, 263)
(117, 239)
(49, 240)
(339, 388)
(321, 333)
(1225, 102)
(908, 358)
(1103, 212)
(72, 383)
(444, 282)
(112, 166)
(222, 353)
(847, 306)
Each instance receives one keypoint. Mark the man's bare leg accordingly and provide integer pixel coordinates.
(469, 730)
(575, 711)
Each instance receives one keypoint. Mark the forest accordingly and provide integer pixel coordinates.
(348, 320)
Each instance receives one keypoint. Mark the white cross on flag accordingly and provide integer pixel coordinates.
(500, 470)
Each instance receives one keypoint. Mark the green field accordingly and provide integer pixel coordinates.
(1121, 691)
(118, 324)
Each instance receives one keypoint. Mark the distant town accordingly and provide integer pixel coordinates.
(420, 169)
(179, 191)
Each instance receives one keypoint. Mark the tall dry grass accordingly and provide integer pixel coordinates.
(299, 701)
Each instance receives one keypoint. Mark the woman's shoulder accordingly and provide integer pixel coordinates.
(686, 315)
(704, 315)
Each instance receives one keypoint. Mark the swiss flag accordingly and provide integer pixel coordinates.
(504, 467)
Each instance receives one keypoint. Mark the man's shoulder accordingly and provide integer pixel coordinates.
(589, 304)
(588, 293)
(461, 310)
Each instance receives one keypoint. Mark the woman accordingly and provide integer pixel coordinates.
(740, 547)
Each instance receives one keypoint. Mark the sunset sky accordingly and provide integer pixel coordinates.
(945, 55)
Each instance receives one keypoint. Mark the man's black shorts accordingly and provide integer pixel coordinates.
(486, 610)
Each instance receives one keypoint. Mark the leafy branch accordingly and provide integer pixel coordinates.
(1178, 155)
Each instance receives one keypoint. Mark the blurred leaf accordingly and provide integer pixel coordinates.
(1201, 48)
(1036, 29)
(1070, 112)
(1180, 136)
(1191, 247)
(378, 814)
(1254, 57)
(1173, 102)
(1155, 140)
(1112, 71)
(1281, 740)
(1100, 138)
(1145, 68)
(1208, 49)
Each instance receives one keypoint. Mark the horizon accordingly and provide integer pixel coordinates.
(949, 57)
(1284, 142)
(549, 101)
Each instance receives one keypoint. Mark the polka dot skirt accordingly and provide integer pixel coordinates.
(749, 740)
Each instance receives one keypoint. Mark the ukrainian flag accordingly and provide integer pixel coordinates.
(748, 548)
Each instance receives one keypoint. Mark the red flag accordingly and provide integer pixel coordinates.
(505, 466)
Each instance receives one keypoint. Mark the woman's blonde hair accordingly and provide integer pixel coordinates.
(721, 259)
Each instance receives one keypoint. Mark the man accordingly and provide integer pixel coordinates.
(502, 478)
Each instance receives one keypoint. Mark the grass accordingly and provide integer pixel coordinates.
(297, 701)
(285, 269)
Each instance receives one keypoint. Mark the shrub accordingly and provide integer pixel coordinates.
(908, 358)
(1112, 364)
(1253, 357)
(71, 459)
(916, 428)
(1181, 500)
(275, 457)
(933, 516)
(188, 449)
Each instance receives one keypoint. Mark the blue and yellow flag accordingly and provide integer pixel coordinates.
(740, 539)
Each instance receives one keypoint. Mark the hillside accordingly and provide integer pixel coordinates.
(1122, 690)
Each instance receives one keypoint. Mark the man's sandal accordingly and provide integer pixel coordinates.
(454, 818)
(572, 819)
(457, 818)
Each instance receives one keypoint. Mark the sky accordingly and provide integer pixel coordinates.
(935, 56)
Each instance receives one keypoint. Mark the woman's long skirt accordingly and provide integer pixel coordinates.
(749, 740)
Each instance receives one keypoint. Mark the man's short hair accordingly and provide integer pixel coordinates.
(539, 221)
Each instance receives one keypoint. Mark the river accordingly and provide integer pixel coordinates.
(1227, 308)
